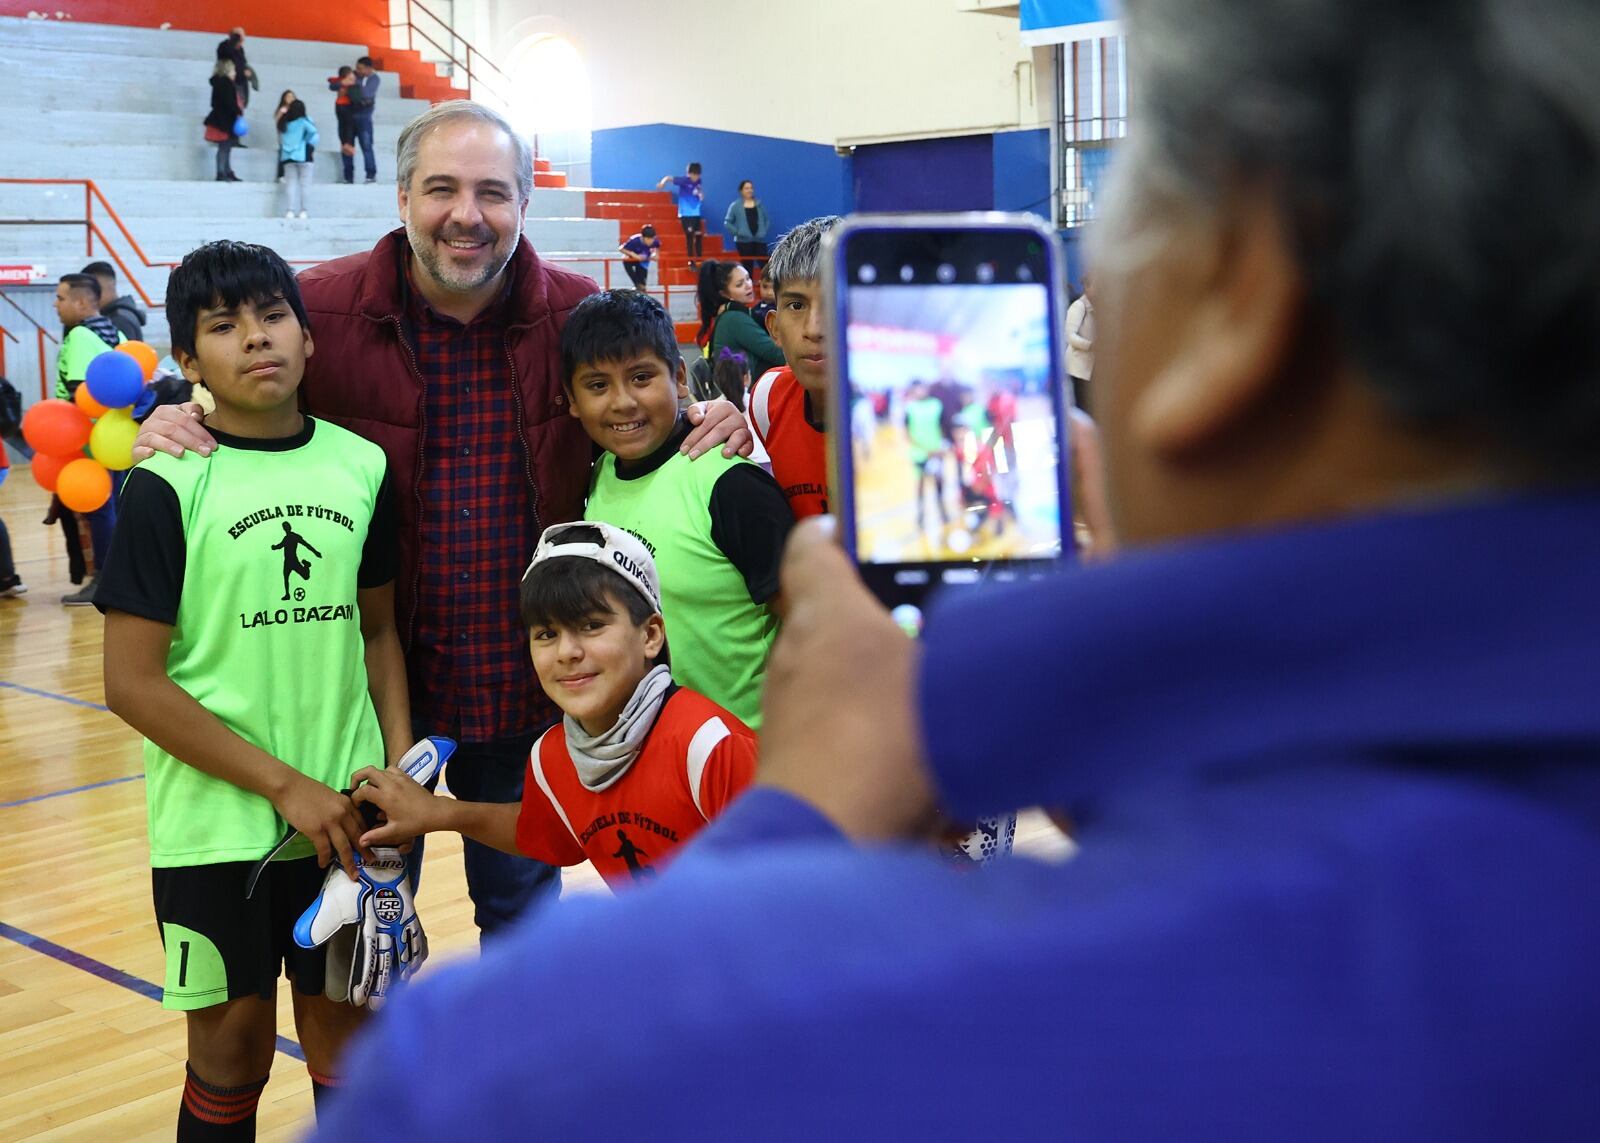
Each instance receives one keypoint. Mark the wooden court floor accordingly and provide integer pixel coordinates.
(86, 1050)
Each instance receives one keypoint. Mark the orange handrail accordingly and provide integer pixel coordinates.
(91, 194)
(40, 334)
(473, 77)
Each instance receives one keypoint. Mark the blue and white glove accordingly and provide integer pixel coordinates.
(370, 924)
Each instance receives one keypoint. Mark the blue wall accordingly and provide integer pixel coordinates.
(795, 180)
(926, 174)
(1022, 171)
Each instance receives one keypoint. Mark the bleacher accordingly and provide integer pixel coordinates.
(123, 106)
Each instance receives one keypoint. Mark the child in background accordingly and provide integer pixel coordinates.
(295, 153)
(636, 254)
(87, 334)
(789, 406)
(256, 710)
(691, 205)
(344, 120)
(11, 584)
(637, 765)
(714, 526)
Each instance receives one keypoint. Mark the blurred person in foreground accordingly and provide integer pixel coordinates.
(1328, 728)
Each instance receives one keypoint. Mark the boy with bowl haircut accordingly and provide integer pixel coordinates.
(250, 637)
(636, 766)
(789, 405)
(715, 527)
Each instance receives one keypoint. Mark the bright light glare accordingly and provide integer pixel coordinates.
(551, 87)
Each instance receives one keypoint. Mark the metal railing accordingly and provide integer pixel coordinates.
(483, 76)
(41, 335)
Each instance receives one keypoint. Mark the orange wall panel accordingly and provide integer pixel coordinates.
(347, 22)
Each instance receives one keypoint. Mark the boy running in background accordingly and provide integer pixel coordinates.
(636, 766)
(714, 526)
(255, 710)
(789, 405)
(691, 206)
(636, 254)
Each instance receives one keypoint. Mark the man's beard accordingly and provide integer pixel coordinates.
(461, 281)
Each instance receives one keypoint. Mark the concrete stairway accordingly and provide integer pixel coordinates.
(123, 106)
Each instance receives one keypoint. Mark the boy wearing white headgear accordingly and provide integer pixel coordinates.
(637, 765)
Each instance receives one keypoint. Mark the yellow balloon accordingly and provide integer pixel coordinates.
(111, 441)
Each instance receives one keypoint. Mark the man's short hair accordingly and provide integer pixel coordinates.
(366, 61)
(83, 284)
(798, 255)
(448, 112)
(227, 274)
(1465, 285)
(100, 270)
(614, 325)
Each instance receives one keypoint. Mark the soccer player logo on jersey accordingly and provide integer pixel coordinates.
(631, 854)
(290, 545)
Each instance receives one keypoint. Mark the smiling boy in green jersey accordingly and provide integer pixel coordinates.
(250, 637)
(716, 527)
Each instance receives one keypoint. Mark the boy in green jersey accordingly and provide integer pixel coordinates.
(250, 638)
(716, 527)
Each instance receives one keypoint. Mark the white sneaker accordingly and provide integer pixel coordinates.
(288, 214)
(303, 214)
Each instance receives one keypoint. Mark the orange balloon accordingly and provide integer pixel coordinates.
(84, 399)
(56, 427)
(143, 354)
(46, 468)
(84, 484)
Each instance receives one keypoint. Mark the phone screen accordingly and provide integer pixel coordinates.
(953, 406)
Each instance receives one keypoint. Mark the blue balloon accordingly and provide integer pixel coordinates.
(114, 379)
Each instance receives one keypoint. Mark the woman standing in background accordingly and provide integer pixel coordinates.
(747, 221)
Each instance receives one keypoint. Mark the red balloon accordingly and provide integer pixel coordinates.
(56, 427)
(46, 468)
(84, 484)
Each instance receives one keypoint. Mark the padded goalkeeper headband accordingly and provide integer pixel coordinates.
(619, 550)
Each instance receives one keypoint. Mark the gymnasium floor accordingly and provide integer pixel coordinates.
(86, 1051)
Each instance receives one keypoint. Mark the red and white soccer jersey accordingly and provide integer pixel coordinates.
(696, 759)
(798, 451)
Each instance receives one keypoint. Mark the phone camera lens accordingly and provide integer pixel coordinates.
(1024, 273)
(907, 273)
(947, 273)
(986, 272)
(867, 274)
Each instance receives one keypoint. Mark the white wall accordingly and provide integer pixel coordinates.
(823, 71)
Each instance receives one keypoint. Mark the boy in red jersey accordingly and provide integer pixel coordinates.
(789, 406)
(638, 764)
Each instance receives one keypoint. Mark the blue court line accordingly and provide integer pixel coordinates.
(114, 975)
(36, 692)
(74, 790)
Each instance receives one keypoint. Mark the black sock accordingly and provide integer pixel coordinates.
(322, 1088)
(212, 1114)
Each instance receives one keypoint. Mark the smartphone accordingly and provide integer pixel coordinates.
(948, 403)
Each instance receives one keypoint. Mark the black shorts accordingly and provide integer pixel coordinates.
(345, 118)
(638, 273)
(221, 946)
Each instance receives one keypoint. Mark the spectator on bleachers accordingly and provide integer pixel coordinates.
(284, 101)
(363, 98)
(747, 221)
(295, 153)
(344, 117)
(244, 76)
(123, 310)
(1080, 343)
(725, 293)
(224, 114)
(691, 197)
(636, 254)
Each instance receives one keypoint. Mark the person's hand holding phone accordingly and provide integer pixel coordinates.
(839, 709)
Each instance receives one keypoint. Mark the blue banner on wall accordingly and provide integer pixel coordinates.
(1063, 21)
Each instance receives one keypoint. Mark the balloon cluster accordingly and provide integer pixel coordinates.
(98, 421)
